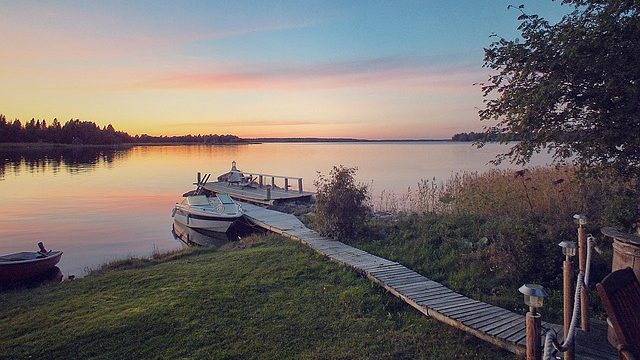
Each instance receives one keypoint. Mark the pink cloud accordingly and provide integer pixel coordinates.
(406, 73)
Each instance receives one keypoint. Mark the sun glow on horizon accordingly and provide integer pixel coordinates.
(375, 71)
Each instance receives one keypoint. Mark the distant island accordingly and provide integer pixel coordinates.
(474, 136)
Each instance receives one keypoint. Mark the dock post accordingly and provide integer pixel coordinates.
(268, 192)
(534, 295)
(273, 182)
(199, 177)
(300, 185)
(582, 265)
(286, 184)
(533, 325)
(567, 308)
(260, 180)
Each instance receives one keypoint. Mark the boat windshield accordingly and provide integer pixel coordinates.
(198, 200)
(225, 199)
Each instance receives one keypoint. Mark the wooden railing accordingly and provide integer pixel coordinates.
(261, 177)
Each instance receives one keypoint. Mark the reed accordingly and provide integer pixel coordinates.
(485, 234)
(548, 194)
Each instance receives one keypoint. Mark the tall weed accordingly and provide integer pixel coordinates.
(485, 234)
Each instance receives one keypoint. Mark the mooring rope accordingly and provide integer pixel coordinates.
(551, 340)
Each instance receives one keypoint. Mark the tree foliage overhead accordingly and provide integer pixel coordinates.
(572, 87)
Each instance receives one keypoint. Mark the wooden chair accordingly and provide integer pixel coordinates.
(620, 295)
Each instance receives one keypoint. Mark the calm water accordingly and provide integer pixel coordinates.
(99, 205)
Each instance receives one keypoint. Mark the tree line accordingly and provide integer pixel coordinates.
(484, 137)
(80, 132)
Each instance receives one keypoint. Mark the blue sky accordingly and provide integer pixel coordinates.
(365, 69)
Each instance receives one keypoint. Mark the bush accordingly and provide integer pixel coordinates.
(342, 207)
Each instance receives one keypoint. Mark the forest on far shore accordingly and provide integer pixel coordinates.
(78, 132)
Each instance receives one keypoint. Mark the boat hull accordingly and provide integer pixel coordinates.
(11, 272)
(204, 222)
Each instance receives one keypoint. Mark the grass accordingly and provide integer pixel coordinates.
(486, 234)
(261, 298)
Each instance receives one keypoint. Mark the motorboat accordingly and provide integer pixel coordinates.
(207, 212)
(25, 265)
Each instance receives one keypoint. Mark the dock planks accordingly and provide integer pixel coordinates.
(493, 324)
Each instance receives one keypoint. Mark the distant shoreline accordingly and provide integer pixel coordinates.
(338, 140)
(42, 145)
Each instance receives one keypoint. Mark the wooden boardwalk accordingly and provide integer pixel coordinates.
(496, 325)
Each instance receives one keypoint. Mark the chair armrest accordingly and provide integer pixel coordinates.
(626, 354)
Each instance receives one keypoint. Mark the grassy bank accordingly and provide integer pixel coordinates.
(264, 298)
(487, 234)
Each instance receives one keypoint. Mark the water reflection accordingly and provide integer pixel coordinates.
(53, 159)
(192, 237)
(199, 237)
(103, 204)
(51, 276)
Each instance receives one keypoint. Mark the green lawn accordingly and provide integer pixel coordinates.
(271, 298)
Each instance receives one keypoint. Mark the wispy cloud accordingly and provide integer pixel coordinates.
(405, 72)
(250, 123)
(54, 33)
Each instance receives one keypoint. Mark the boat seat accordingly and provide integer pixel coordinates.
(25, 255)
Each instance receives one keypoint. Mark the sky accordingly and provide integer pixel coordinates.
(357, 69)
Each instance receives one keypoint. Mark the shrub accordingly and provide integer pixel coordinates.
(341, 204)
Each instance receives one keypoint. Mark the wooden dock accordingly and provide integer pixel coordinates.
(493, 324)
(257, 194)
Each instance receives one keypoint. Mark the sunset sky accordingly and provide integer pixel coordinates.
(362, 69)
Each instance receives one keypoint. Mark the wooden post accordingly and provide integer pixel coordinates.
(533, 326)
(582, 263)
(273, 181)
(286, 184)
(567, 308)
(268, 192)
(199, 177)
(300, 185)
(260, 180)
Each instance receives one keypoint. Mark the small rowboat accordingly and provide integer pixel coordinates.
(27, 264)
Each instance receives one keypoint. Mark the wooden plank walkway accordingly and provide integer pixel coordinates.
(255, 193)
(496, 325)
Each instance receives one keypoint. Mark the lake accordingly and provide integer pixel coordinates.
(99, 205)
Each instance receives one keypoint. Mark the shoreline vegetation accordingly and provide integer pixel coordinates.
(261, 297)
(486, 234)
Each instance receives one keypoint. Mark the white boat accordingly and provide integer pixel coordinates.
(213, 213)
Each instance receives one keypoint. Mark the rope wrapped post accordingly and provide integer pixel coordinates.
(534, 297)
(569, 249)
(582, 264)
